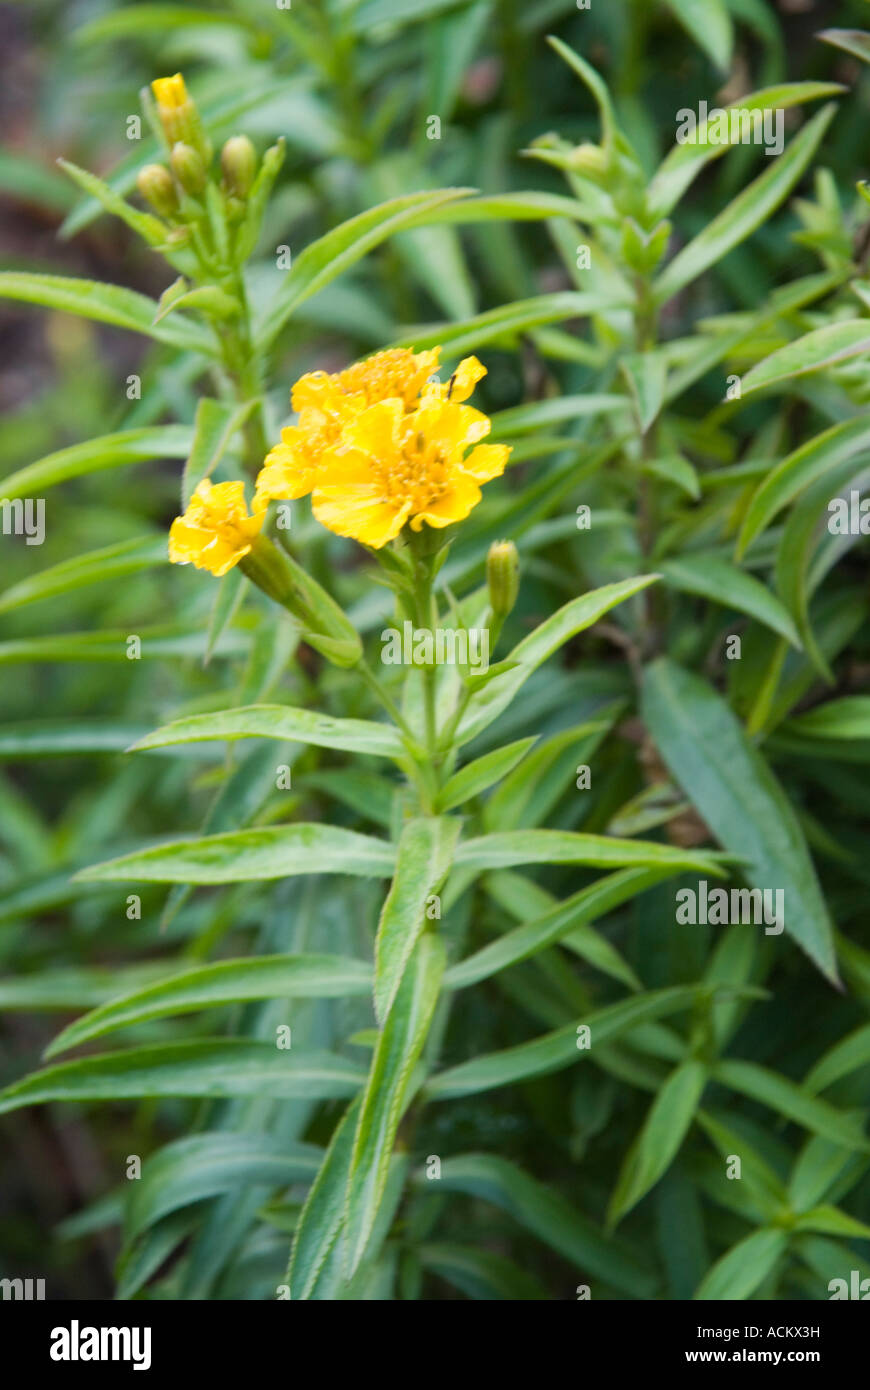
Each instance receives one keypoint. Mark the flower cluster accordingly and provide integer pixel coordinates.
(382, 444)
(377, 446)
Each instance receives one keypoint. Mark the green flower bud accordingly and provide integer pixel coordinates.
(156, 186)
(189, 168)
(503, 577)
(239, 165)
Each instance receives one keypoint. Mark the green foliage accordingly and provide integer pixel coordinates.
(515, 1070)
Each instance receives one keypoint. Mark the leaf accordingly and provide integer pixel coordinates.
(109, 451)
(476, 776)
(487, 704)
(646, 374)
(398, 1049)
(281, 722)
(213, 429)
(116, 561)
(481, 1274)
(553, 926)
(854, 41)
(150, 228)
(846, 1056)
(205, 1165)
(746, 1265)
(815, 459)
(658, 1143)
(322, 1216)
(325, 259)
(207, 1067)
(848, 717)
(241, 856)
(836, 342)
(559, 1049)
(107, 304)
(506, 849)
(138, 20)
(746, 213)
(225, 982)
(708, 22)
(508, 321)
(540, 1209)
(828, 1220)
(707, 752)
(684, 161)
(423, 858)
(717, 579)
(782, 1095)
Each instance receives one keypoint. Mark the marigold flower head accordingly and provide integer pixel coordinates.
(326, 404)
(215, 532)
(394, 466)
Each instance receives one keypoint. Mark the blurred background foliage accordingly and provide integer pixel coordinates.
(352, 87)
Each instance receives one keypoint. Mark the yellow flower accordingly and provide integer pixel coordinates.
(170, 92)
(179, 116)
(394, 466)
(216, 531)
(326, 404)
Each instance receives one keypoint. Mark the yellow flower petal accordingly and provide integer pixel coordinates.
(216, 531)
(453, 505)
(486, 461)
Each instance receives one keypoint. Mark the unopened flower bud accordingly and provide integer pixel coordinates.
(178, 115)
(156, 186)
(503, 577)
(589, 159)
(189, 168)
(239, 165)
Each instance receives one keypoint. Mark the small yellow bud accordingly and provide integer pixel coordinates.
(189, 168)
(239, 165)
(178, 114)
(503, 577)
(156, 186)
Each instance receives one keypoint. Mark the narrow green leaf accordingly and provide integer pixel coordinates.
(717, 579)
(506, 849)
(114, 562)
(323, 260)
(476, 776)
(205, 1165)
(423, 858)
(562, 920)
(109, 451)
(746, 213)
(815, 459)
(281, 722)
(709, 755)
(782, 1095)
(835, 342)
(399, 1047)
(240, 856)
(559, 1049)
(746, 1265)
(225, 982)
(207, 1067)
(538, 1208)
(107, 304)
(658, 1143)
(534, 650)
(709, 23)
(322, 1217)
